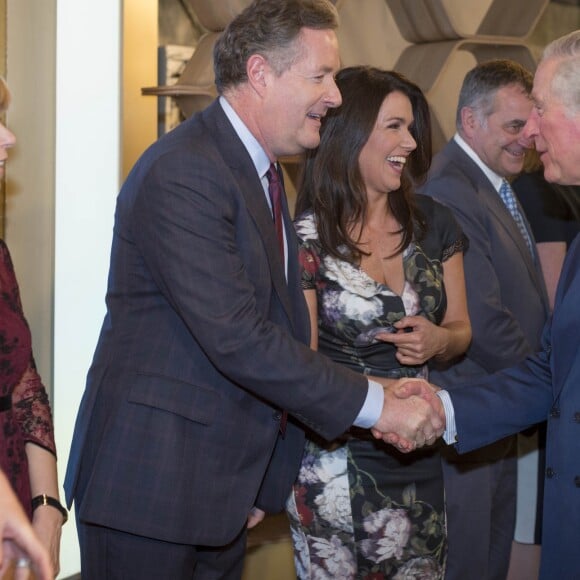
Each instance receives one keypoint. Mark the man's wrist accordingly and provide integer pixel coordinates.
(372, 408)
(450, 433)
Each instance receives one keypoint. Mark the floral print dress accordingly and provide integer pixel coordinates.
(359, 508)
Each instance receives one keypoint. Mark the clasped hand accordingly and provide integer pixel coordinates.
(412, 414)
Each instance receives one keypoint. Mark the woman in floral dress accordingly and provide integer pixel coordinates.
(383, 279)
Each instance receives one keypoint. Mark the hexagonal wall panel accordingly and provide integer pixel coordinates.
(216, 14)
(437, 20)
(439, 68)
(433, 42)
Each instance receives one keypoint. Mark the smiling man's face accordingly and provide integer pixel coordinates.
(495, 137)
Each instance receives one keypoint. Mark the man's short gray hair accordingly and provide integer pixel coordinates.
(566, 79)
(482, 83)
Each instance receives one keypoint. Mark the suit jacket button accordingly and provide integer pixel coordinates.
(577, 481)
(550, 473)
(577, 417)
(554, 413)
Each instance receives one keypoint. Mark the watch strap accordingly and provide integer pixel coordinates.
(44, 499)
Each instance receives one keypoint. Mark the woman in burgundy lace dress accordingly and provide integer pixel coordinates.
(27, 449)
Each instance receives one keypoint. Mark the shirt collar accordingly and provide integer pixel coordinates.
(496, 180)
(259, 158)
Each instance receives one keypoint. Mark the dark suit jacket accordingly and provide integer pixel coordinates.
(544, 386)
(203, 343)
(506, 294)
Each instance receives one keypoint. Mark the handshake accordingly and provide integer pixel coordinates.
(412, 414)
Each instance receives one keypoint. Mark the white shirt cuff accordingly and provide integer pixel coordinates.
(450, 434)
(372, 408)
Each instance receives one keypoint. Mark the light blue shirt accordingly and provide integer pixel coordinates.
(450, 434)
(373, 405)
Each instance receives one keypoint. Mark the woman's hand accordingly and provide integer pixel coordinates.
(417, 340)
(47, 523)
(19, 545)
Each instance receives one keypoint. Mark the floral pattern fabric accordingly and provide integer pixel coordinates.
(361, 509)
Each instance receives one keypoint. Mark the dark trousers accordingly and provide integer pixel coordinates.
(480, 500)
(108, 554)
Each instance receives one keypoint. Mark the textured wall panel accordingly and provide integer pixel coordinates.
(433, 42)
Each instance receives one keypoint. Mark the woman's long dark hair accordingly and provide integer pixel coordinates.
(331, 183)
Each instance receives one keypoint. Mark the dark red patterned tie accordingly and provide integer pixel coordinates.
(276, 191)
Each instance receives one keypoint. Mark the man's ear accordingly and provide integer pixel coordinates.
(257, 68)
(469, 120)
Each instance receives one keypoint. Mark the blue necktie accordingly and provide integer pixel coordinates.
(507, 195)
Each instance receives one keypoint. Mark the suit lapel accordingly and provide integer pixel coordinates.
(251, 190)
(502, 215)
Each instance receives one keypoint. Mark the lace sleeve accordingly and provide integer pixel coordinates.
(32, 409)
(459, 245)
(444, 237)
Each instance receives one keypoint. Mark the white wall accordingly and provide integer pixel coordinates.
(64, 67)
(87, 170)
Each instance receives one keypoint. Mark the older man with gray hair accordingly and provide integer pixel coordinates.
(546, 385)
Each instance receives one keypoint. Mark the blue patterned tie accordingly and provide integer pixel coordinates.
(507, 195)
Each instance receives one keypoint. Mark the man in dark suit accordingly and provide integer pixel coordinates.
(506, 299)
(202, 378)
(546, 385)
